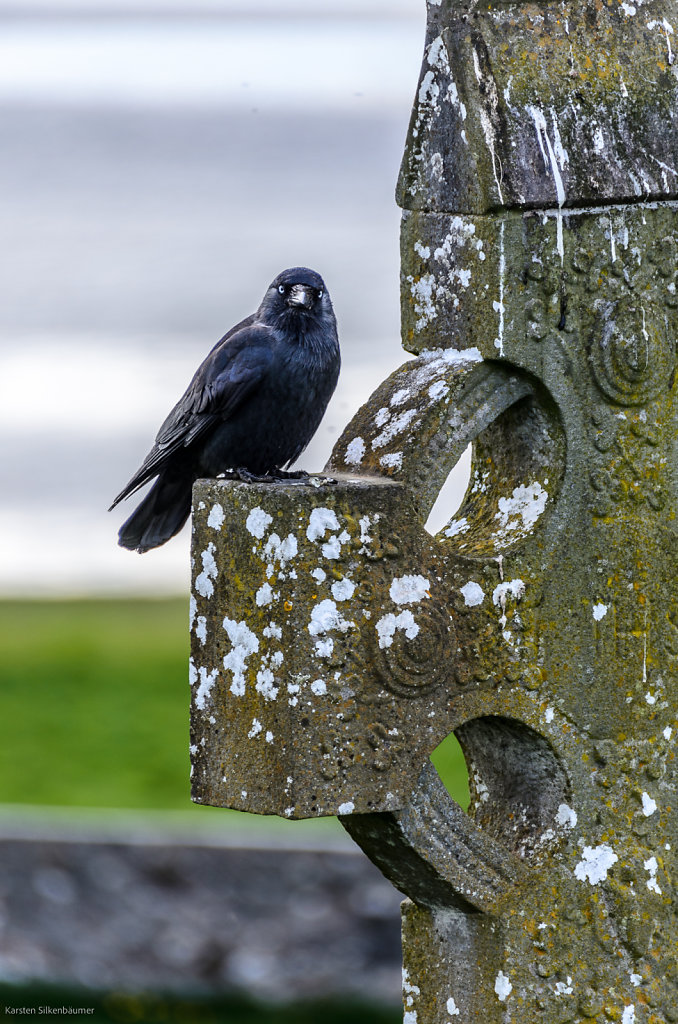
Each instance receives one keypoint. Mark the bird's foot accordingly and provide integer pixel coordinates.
(301, 476)
(248, 477)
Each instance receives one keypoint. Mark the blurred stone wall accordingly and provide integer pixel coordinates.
(276, 924)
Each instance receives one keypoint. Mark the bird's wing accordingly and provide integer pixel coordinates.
(221, 384)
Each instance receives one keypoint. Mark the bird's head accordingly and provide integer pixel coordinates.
(297, 291)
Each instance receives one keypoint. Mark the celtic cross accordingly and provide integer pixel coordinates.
(335, 643)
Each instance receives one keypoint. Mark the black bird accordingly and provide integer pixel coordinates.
(251, 408)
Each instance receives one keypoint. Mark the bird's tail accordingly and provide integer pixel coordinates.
(160, 515)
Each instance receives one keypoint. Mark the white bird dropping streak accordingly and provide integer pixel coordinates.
(499, 306)
(553, 160)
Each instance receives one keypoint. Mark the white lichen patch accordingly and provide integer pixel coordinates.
(635, 979)
(355, 451)
(346, 808)
(522, 510)
(324, 648)
(456, 527)
(255, 730)
(548, 715)
(667, 733)
(332, 547)
(473, 594)
(320, 521)
(210, 571)
(216, 517)
(264, 595)
(439, 389)
(269, 737)
(395, 425)
(502, 986)
(649, 805)
(482, 790)
(206, 681)
(452, 1008)
(265, 684)
(258, 522)
(651, 866)
(566, 816)
(401, 396)
(599, 611)
(392, 461)
(343, 590)
(388, 624)
(280, 551)
(436, 55)
(423, 292)
(629, 1014)
(319, 575)
(422, 250)
(595, 863)
(429, 90)
(458, 244)
(564, 988)
(272, 631)
(319, 687)
(409, 589)
(456, 357)
(365, 523)
(325, 616)
(244, 643)
(201, 629)
(410, 991)
(293, 690)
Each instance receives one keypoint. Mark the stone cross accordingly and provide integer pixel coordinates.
(335, 643)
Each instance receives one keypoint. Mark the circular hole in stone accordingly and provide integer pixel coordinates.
(517, 783)
(451, 495)
(514, 473)
(448, 760)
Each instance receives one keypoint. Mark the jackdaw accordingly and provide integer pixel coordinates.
(251, 408)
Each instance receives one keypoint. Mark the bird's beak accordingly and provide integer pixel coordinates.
(300, 296)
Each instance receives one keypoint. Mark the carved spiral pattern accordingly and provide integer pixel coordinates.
(632, 357)
(411, 666)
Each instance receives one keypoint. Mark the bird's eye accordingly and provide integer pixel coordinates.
(281, 289)
(320, 293)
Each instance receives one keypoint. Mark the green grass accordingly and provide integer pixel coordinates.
(94, 706)
(94, 703)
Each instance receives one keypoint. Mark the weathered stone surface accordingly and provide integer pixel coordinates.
(543, 105)
(295, 668)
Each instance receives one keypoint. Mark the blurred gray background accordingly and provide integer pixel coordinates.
(161, 162)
